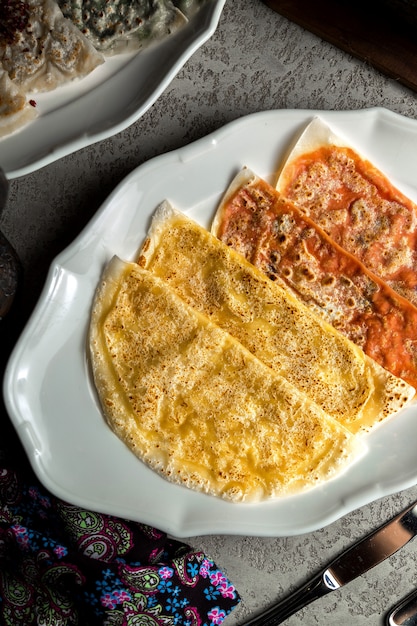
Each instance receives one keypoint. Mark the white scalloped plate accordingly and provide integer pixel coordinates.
(48, 389)
(111, 98)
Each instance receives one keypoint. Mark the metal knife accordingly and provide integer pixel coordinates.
(355, 561)
(405, 612)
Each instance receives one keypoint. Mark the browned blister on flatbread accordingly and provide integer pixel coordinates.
(15, 110)
(271, 323)
(196, 406)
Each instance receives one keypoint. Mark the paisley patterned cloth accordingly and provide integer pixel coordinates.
(62, 565)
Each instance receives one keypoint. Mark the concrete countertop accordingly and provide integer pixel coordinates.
(256, 61)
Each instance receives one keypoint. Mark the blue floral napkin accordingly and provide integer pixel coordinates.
(63, 565)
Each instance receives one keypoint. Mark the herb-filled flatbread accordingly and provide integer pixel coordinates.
(122, 26)
(191, 402)
(271, 322)
(47, 50)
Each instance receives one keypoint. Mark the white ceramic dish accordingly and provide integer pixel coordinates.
(107, 101)
(48, 389)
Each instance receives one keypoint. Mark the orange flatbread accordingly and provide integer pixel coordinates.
(355, 204)
(274, 235)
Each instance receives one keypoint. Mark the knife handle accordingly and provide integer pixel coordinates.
(314, 589)
(405, 612)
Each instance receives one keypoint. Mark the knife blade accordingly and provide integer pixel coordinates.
(353, 562)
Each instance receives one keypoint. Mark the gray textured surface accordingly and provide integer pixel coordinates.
(256, 61)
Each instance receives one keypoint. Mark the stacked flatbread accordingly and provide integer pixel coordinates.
(223, 381)
(196, 406)
(340, 236)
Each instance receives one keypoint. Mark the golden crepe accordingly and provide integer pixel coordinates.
(276, 236)
(355, 204)
(190, 401)
(271, 322)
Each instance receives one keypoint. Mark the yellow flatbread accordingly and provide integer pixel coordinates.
(271, 323)
(190, 401)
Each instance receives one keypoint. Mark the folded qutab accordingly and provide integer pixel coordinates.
(271, 323)
(277, 237)
(355, 204)
(39, 51)
(195, 405)
(15, 110)
(48, 50)
(123, 27)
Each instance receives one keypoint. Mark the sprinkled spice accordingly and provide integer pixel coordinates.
(14, 16)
